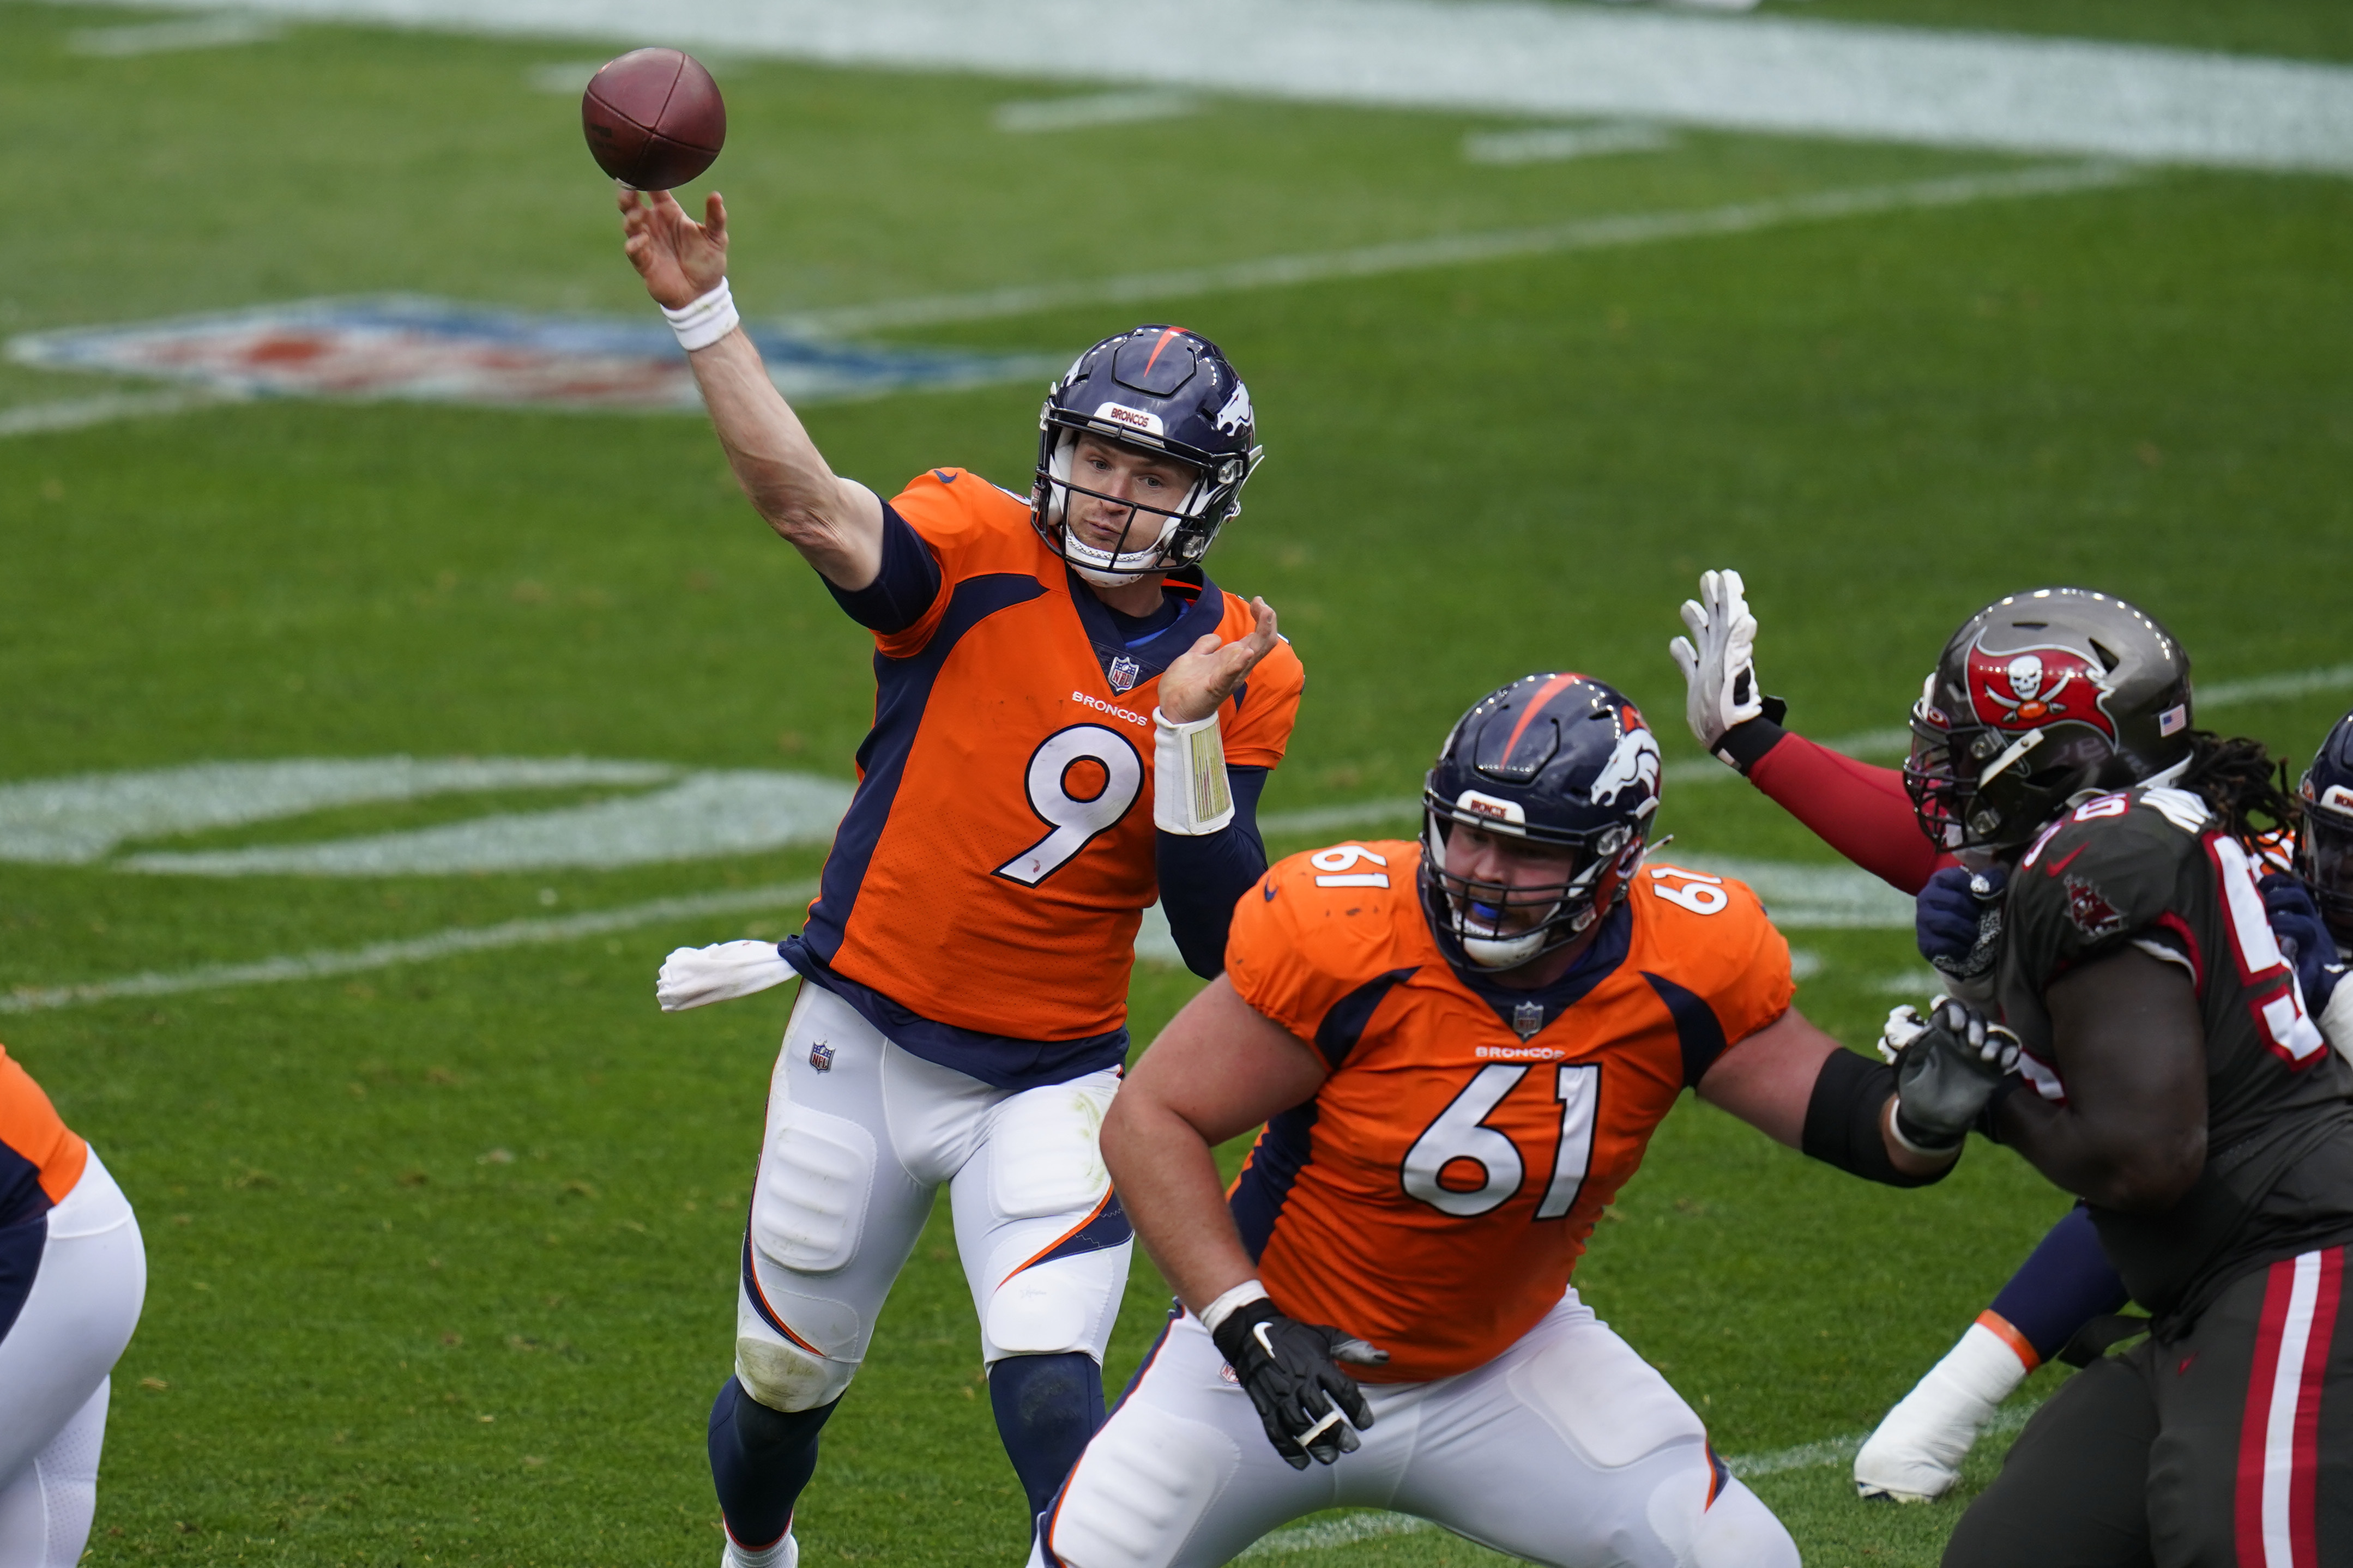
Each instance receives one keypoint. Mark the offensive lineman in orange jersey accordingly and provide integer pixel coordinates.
(1460, 1049)
(1069, 721)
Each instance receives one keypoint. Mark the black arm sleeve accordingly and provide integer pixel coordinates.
(1201, 876)
(909, 581)
(1842, 1120)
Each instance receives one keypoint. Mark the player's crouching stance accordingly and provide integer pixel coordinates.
(73, 1275)
(1070, 718)
(1460, 1049)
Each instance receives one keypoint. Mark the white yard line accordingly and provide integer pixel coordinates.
(1036, 116)
(1509, 57)
(416, 949)
(79, 413)
(1608, 233)
(1555, 144)
(223, 31)
(1348, 1530)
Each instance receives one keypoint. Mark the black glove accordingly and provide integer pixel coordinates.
(1957, 920)
(1289, 1370)
(1947, 1073)
(2304, 938)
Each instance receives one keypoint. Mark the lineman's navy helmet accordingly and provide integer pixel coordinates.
(2324, 842)
(1557, 760)
(1163, 391)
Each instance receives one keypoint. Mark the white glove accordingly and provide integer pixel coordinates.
(1720, 674)
(1904, 1025)
(697, 976)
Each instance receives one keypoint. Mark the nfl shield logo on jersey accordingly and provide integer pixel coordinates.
(1123, 671)
(1526, 1019)
(821, 1056)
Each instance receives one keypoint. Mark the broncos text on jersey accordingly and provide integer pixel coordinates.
(995, 863)
(1435, 1194)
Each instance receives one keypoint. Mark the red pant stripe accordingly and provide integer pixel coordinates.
(2248, 1505)
(2279, 1436)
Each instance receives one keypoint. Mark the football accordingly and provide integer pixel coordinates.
(653, 118)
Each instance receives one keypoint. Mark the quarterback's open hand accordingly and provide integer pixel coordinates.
(681, 259)
(1949, 1068)
(1206, 674)
(1291, 1372)
(1718, 659)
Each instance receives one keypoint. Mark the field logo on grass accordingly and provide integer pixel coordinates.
(433, 351)
(676, 813)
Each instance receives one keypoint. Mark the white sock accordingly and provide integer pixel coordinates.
(785, 1553)
(1917, 1450)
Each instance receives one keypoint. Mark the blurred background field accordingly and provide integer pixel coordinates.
(442, 1250)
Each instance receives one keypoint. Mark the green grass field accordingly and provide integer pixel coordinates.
(442, 1252)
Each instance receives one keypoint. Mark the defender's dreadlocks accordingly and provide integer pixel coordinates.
(2240, 780)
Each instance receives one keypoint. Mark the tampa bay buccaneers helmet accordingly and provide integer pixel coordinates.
(1559, 759)
(2041, 698)
(1160, 390)
(2324, 842)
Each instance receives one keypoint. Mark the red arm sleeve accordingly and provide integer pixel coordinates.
(1857, 809)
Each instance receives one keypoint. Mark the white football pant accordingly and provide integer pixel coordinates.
(1567, 1449)
(54, 1367)
(854, 1151)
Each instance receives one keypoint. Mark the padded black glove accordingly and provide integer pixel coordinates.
(1291, 1372)
(1946, 1072)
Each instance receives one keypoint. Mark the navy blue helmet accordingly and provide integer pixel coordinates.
(1158, 390)
(1560, 761)
(2325, 842)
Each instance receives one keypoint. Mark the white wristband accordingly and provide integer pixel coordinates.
(703, 322)
(1190, 795)
(1242, 1295)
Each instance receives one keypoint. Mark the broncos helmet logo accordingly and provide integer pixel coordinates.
(1633, 765)
(1235, 416)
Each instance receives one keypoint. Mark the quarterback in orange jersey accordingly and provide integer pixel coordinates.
(73, 1275)
(1460, 1049)
(1069, 721)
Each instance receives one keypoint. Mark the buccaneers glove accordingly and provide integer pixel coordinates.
(1947, 1071)
(696, 976)
(1958, 919)
(1291, 1372)
(1720, 672)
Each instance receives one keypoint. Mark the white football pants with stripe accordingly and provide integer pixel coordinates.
(1568, 1449)
(861, 1135)
(55, 1365)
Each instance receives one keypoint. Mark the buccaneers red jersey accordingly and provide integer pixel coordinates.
(1435, 1194)
(996, 861)
(41, 1160)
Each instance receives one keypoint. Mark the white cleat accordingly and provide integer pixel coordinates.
(785, 1553)
(1915, 1455)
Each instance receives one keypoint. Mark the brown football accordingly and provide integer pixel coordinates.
(653, 118)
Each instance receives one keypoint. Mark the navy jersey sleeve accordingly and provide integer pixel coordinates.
(909, 581)
(1203, 876)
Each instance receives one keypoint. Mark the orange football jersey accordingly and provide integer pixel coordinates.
(994, 864)
(37, 1153)
(1435, 1194)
